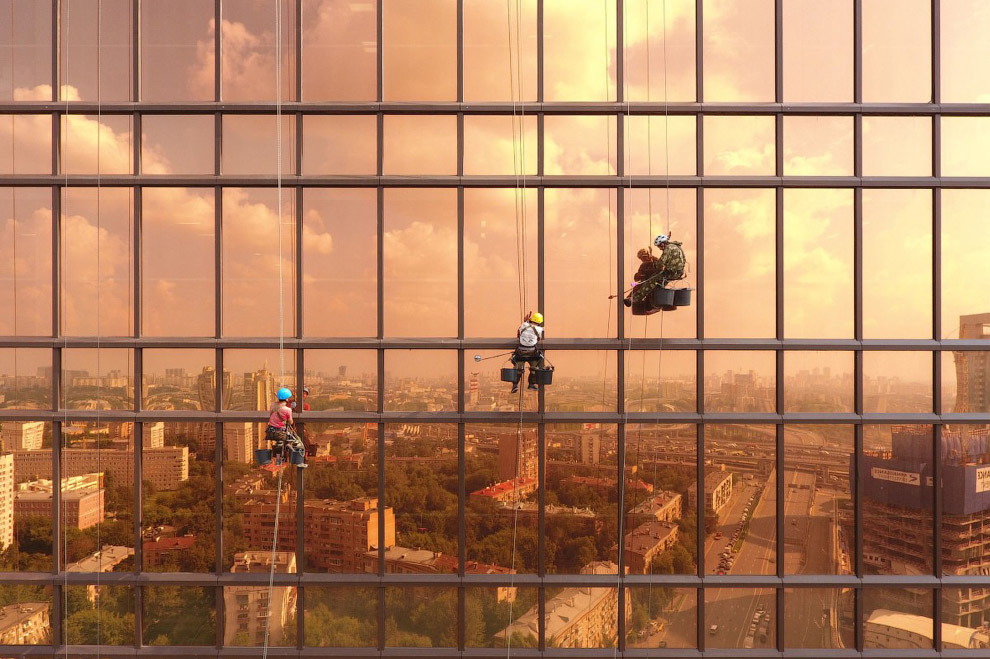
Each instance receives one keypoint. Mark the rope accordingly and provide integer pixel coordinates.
(99, 291)
(63, 88)
(281, 301)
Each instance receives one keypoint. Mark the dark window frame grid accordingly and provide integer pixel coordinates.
(296, 185)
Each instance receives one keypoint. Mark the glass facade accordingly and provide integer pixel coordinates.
(204, 201)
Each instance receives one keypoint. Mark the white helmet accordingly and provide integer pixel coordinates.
(661, 239)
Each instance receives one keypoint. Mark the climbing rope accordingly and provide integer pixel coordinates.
(519, 169)
(281, 305)
(62, 87)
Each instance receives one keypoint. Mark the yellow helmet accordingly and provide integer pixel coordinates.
(536, 317)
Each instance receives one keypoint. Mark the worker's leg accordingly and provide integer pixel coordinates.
(518, 363)
(537, 362)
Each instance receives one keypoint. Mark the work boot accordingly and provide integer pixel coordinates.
(627, 302)
(532, 386)
(515, 388)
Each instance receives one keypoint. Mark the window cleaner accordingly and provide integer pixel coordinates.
(649, 293)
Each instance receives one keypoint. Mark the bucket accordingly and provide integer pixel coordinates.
(682, 297)
(663, 297)
(543, 375)
(297, 457)
(263, 456)
(510, 375)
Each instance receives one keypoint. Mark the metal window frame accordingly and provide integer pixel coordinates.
(619, 344)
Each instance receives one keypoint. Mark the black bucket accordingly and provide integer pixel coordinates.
(263, 456)
(682, 297)
(297, 457)
(510, 375)
(542, 375)
(663, 297)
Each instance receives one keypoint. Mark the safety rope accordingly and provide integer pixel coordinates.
(99, 300)
(519, 169)
(62, 87)
(281, 306)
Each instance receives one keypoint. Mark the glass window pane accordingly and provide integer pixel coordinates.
(98, 614)
(819, 530)
(580, 263)
(740, 381)
(963, 489)
(897, 229)
(179, 518)
(818, 146)
(965, 280)
(271, 612)
(499, 51)
(897, 499)
(562, 632)
(491, 611)
(495, 221)
(420, 617)
(590, 372)
(254, 377)
(259, 264)
(26, 261)
(420, 50)
(740, 498)
(964, 607)
(420, 262)
(897, 51)
(501, 469)
(579, 50)
(898, 618)
(27, 464)
(253, 144)
(25, 379)
(963, 373)
(177, 255)
(421, 380)
(897, 381)
(739, 146)
(661, 381)
(483, 388)
(339, 50)
(832, 610)
(818, 263)
(97, 145)
(249, 51)
(579, 145)
(897, 146)
(31, 608)
(342, 144)
(660, 528)
(818, 50)
(728, 629)
(341, 617)
(964, 144)
(98, 378)
(340, 262)
(585, 542)
(965, 52)
(177, 379)
(342, 494)
(97, 487)
(657, 71)
(177, 45)
(179, 615)
(418, 145)
(495, 145)
(738, 50)
(95, 43)
(97, 266)
(177, 144)
(648, 212)
(342, 380)
(25, 144)
(25, 51)
(818, 381)
(739, 263)
(655, 144)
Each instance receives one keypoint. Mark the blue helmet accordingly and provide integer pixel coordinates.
(284, 393)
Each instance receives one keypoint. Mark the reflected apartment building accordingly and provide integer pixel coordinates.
(898, 497)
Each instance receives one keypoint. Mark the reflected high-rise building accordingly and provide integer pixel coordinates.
(897, 516)
(206, 386)
(517, 455)
(973, 366)
(263, 388)
(22, 435)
